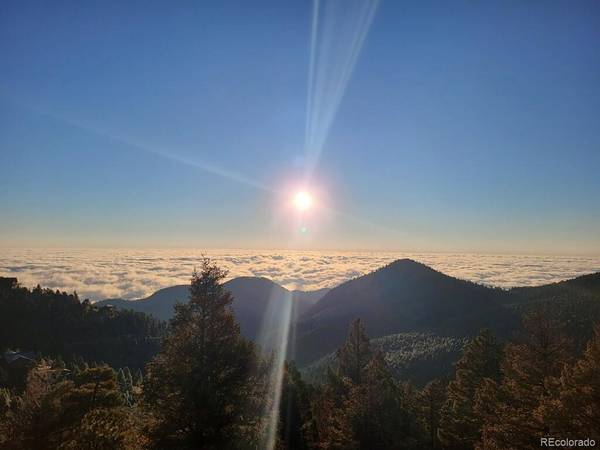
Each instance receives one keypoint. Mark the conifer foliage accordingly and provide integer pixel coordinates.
(206, 388)
(200, 385)
(574, 409)
(373, 411)
(70, 410)
(529, 368)
(431, 401)
(355, 354)
(460, 424)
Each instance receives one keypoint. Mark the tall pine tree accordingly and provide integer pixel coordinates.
(574, 409)
(460, 425)
(200, 384)
(528, 370)
(381, 413)
(355, 354)
(431, 401)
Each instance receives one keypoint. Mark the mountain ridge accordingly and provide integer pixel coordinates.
(252, 297)
(404, 296)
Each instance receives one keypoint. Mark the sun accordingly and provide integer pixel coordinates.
(303, 200)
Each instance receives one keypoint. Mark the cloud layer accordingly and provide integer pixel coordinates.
(131, 274)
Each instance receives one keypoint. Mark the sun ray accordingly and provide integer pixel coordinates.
(338, 32)
(273, 338)
(151, 149)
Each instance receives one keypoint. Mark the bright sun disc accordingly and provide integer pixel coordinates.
(303, 201)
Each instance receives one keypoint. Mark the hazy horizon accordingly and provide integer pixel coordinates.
(135, 273)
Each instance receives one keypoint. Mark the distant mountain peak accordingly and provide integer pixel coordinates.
(403, 296)
(401, 271)
(252, 298)
(406, 264)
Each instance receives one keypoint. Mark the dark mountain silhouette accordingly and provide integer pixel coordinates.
(575, 303)
(253, 297)
(582, 287)
(404, 296)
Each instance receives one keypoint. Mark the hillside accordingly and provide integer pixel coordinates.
(59, 324)
(404, 296)
(253, 297)
(582, 287)
(575, 302)
(414, 357)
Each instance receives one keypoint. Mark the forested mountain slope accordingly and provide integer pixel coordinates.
(404, 296)
(253, 298)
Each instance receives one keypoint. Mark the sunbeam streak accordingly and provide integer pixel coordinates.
(338, 31)
(274, 337)
(151, 149)
(206, 167)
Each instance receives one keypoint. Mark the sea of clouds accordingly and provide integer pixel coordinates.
(103, 273)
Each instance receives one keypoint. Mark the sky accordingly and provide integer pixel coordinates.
(457, 126)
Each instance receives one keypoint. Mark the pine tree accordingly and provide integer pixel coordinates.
(64, 412)
(355, 354)
(487, 401)
(460, 425)
(95, 388)
(431, 401)
(574, 408)
(329, 429)
(98, 418)
(382, 414)
(106, 429)
(528, 370)
(371, 410)
(33, 420)
(199, 385)
(295, 411)
(335, 431)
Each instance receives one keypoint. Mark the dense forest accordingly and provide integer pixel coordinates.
(58, 324)
(206, 385)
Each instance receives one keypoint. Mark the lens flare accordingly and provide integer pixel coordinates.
(303, 201)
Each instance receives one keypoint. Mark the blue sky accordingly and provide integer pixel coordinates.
(464, 127)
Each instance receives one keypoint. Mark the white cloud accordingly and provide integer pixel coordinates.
(99, 274)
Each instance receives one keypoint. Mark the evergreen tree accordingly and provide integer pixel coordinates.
(54, 323)
(199, 385)
(381, 413)
(355, 354)
(528, 368)
(56, 409)
(106, 429)
(335, 431)
(94, 388)
(574, 408)
(295, 413)
(32, 418)
(371, 410)
(460, 425)
(329, 428)
(431, 401)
